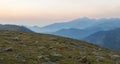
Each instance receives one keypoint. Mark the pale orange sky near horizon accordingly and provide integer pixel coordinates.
(44, 12)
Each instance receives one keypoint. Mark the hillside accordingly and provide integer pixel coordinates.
(14, 28)
(109, 39)
(73, 33)
(32, 48)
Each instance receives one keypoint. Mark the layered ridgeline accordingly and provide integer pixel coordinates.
(109, 39)
(33, 48)
(80, 23)
(14, 28)
(79, 28)
(99, 25)
(73, 33)
(85, 23)
(84, 27)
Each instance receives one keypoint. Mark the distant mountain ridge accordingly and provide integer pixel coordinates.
(100, 25)
(83, 28)
(80, 23)
(14, 28)
(73, 33)
(109, 39)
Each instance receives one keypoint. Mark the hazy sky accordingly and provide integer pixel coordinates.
(43, 12)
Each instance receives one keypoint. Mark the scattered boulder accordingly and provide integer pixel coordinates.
(16, 38)
(83, 60)
(1, 58)
(9, 49)
(99, 58)
(36, 42)
(20, 57)
(99, 49)
(56, 54)
(53, 39)
(49, 62)
(115, 57)
(118, 62)
(95, 53)
(52, 48)
(73, 44)
(83, 51)
(45, 57)
(41, 47)
(21, 42)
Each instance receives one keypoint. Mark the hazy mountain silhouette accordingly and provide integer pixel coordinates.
(73, 33)
(109, 39)
(100, 25)
(81, 23)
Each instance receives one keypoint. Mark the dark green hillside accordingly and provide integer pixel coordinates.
(14, 28)
(33, 48)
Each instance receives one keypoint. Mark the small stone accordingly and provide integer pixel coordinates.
(114, 57)
(99, 58)
(45, 57)
(16, 38)
(53, 39)
(95, 53)
(118, 62)
(52, 48)
(49, 62)
(83, 60)
(41, 47)
(100, 49)
(1, 59)
(56, 54)
(20, 58)
(8, 49)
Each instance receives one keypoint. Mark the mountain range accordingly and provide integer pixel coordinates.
(82, 28)
(20, 45)
(109, 39)
(81, 23)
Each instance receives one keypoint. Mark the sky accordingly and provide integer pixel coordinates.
(44, 12)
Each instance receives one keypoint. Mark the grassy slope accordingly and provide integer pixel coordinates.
(32, 45)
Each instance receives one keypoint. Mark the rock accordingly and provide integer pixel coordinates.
(99, 49)
(95, 53)
(118, 62)
(36, 42)
(56, 54)
(20, 58)
(83, 60)
(1, 59)
(1, 49)
(16, 38)
(8, 49)
(83, 51)
(45, 57)
(73, 44)
(49, 62)
(114, 57)
(52, 48)
(21, 42)
(53, 39)
(41, 47)
(99, 58)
